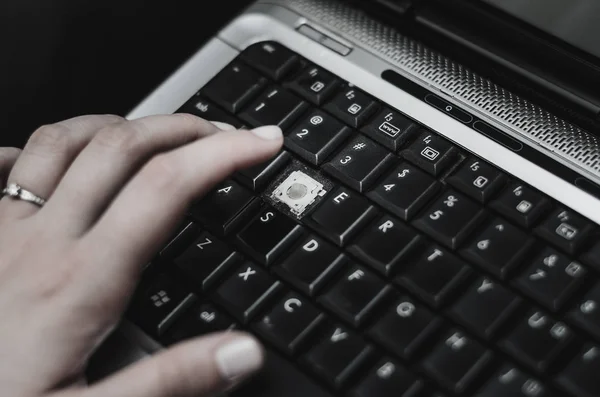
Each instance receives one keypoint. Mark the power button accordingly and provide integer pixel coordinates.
(448, 108)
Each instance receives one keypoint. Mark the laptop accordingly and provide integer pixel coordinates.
(431, 227)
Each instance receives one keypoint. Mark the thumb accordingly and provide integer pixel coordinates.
(196, 368)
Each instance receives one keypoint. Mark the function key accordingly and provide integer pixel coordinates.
(200, 319)
(431, 152)
(259, 175)
(587, 312)
(200, 107)
(591, 257)
(478, 179)
(316, 136)
(359, 163)
(270, 58)
(580, 378)
(390, 128)
(275, 106)
(352, 106)
(521, 204)
(510, 381)
(315, 84)
(234, 86)
(565, 229)
(388, 378)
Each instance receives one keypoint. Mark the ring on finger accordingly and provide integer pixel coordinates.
(17, 192)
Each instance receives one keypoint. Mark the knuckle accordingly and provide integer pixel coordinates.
(9, 154)
(126, 138)
(51, 137)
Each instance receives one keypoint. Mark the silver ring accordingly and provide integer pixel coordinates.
(18, 193)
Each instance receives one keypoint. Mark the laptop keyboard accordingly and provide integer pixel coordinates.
(372, 256)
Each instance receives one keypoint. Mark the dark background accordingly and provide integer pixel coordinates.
(62, 58)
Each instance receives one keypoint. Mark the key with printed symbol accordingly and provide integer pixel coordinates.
(404, 191)
(271, 58)
(275, 106)
(587, 312)
(565, 229)
(478, 179)
(511, 381)
(580, 377)
(390, 129)
(205, 109)
(200, 319)
(450, 218)
(431, 153)
(521, 204)
(551, 279)
(314, 84)
(352, 106)
(388, 378)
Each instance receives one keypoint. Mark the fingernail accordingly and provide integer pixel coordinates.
(223, 126)
(239, 358)
(269, 132)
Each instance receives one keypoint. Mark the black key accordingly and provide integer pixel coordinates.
(478, 179)
(587, 312)
(498, 248)
(335, 357)
(275, 106)
(565, 229)
(521, 204)
(200, 319)
(270, 58)
(359, 163)
(234, 86)
(405, 327)
(353, 106)
(537, 340)
(258, 176)
(388, 378)
(316, 136)
(315, 84)
(354, 294)
(580, 378)
(434, 276)
(244, 290)
(431, 152)
(390, 128)
(456, 361)
(310, 265)
(404, 191)
(183, 237)
(208, 111)
(592, 256)
(551, 279)
(450, 218)
(510, 381)
(485, 307)
(341, 215)
(223, 209)
(288, 322)
(203, 258)
(384, 244)
(268, 235)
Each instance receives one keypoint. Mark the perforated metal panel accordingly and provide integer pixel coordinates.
(533, 123)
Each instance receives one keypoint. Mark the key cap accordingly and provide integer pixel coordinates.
(580, 378)
(259, 176)
(388, 378)
(270, 58)
(592, 256)
(498, 248)
(404, 191)
(352, 106)
(242, 292)
(200, 319)
(203, 108)
(405, 327)
(390, 129)
(225, 207)
(434, 276)
(478, 179)
(587, 312)
(341, 215)
(551, 279)
(336, 356)
(184, 236)
(384, 243)
(510, 381)
(485, 307)
(201, 260)
(431, 153)
(234, 86)
(268, 235)
(521, 204)
(354, 294)
(312, 263)
(537, 340)
(274, 107)
(315, 84)
(450, 218)
(565, 229)
(289, 322)
(456, 361)
(359, 163)
(316, 136)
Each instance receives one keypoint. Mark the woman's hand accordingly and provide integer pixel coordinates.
(115, 191)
